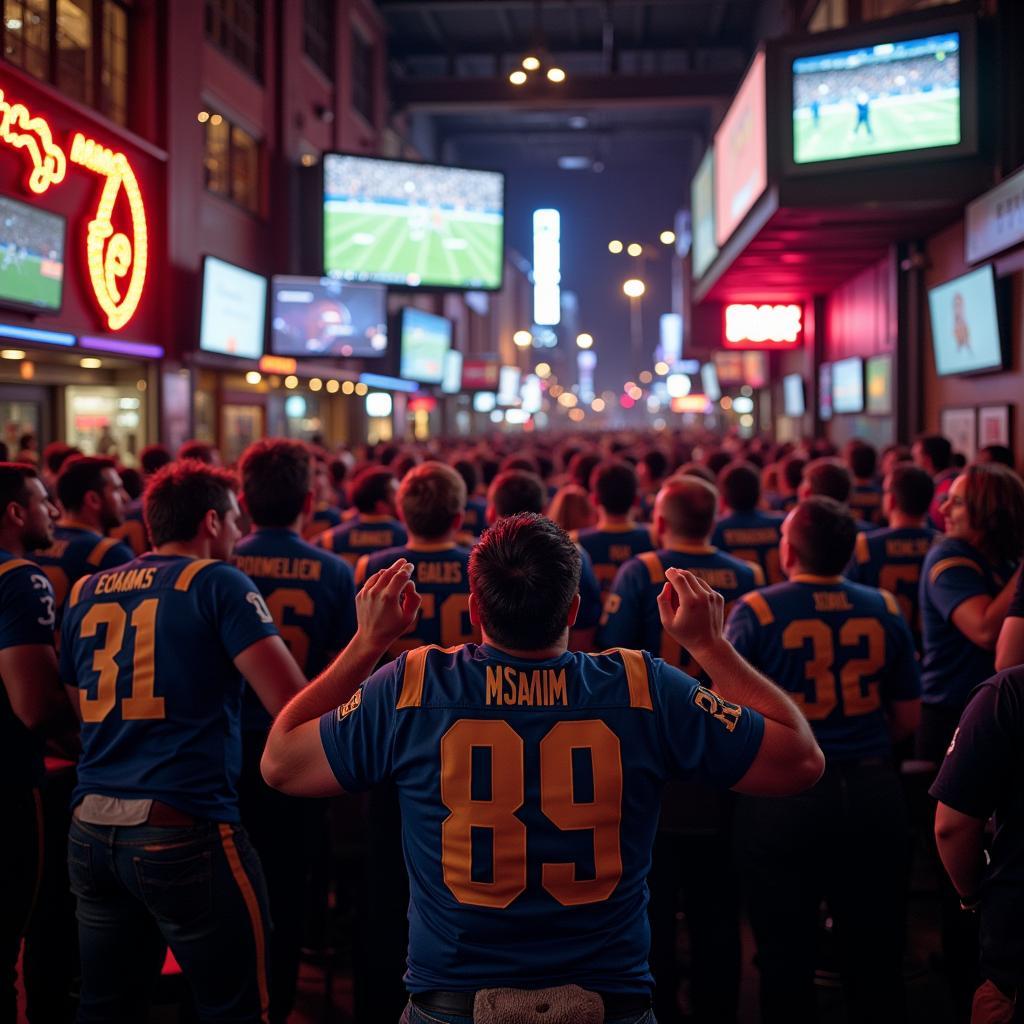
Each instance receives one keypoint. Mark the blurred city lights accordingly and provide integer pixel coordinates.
(634, 248)
(726, 403)
(678, 385)
(667, 237)
(615, 246)
(524, 339)
(517, 77)
(361, 389)
(661, 368)
(634, 287)
(347, 387)
(12, 353)
(543, 370)
(90, 363)
(567, 399)
(646, 376)
(253, 377)
(746, 420)
(291, 381)
(531, 63)
(584, 340)
(743, 405)
(576, 415)
(332, 387)
(556, 75)
(597, 405)
(315, 384)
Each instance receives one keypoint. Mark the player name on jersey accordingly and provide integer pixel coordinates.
(754, 535)
(541, 687)
(917, 547)
(438, 572)
(831, 601)
(719, 579)
(279, 568)
(130, 579)
(371, 538)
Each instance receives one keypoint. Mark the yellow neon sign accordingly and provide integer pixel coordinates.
(18, 128)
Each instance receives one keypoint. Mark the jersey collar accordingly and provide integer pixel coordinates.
(692, 549)
(375, 518)
(817, 580)
(627, 527)
(74, 524)
(444, 545)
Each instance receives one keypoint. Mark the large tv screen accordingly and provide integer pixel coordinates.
(314, 316)
(702, 215)
(234, 310)
(891, 97)
(878, 385)
(793, 394)
(965, 324)
(31, 257)
(848, 385)
(741, 153)
(425, 340)
(419, 225)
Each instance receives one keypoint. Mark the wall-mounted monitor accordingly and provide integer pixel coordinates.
(425, 340)
(965, 324)
(825, 391)
(234, 313)
(325, 317)
(31, 257)
(793, 395)
(878, 385)
(451, 380)
(709, 381)
(848, 385)
(412, 224)
(702, 216)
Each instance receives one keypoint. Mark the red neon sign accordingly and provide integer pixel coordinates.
(775, 328)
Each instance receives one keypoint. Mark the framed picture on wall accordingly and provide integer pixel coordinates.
(994, 425)
(961, 427)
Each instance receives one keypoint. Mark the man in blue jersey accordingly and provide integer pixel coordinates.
(94, 501)
(154, 653)
(474, 520)
(827, 477)
(891, 558)
(865, 495)
(132, 531)
(616, 538)
(744, 531)
(374, 526)
(311, 596)
(845, 654)
(530, 776)
(32, 704)
(325, 514)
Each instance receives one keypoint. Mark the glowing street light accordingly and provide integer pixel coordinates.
(517, 77)
(524, 339)
(543, 370)
(661, 368)
(667, 237)
(634, 287)
(556, 75)
(584, 340)
(531, 63)
(634, 248)
(615, 247)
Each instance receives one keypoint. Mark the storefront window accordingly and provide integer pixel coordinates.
(106, 420)
(74, 49)
(27, 35)
(318, 34)
(245, 171)
(231, 162)
(243, 424)
(16, 420)
(114, 72)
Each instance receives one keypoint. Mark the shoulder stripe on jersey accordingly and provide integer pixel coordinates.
(412, 678)
(653, 565)
(362, 564)
(636, 677)
(758, 574)
(862, 552)
(16, 563)
(102, 547)
(190, 572)
(890, 602)
(76, 591)
(952, 563)
(760, 607)
(326, 540)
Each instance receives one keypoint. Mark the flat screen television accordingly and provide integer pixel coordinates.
(793, 395)
(965, 324)
(709, 381)
(412, 224)
(878, 385)
(825, 391)
(325, 317)
(425, 340)
(848, 385)
(702, 216)
(451, 379)
(508, 385)
(31, 257)
(234, 313)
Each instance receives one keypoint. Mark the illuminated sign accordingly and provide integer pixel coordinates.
(127, 348)
(763, 327)
(547, 267)
(277, 364)
(116, 261)
(690, 403)
(31, 334)
(378, 380)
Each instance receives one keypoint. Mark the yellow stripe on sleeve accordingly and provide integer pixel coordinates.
(952, 563)
(76, 591)
(190, 572)
(636, 677)
(99, 552)
(862, 552)
(15, 563)
(654, 567)
(760, 607)
(890, 602)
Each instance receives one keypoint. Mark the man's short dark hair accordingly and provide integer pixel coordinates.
(581, 466)
(526, 462)
(524, 573)
(656, 462)
(829, 478)
(467, 470)
(78, 476)
(197, 451)
(716, 461)
(863, 460)
(56, 453)
(489, 469)
(154, 457)
(792, 471)
(179, 496)
(938, 449)
(276, 477)
(697, 469)
(822, 533)
(514, 491)
(131, 481)
(997, 453)
(688, 505)
(912, 489)
(430, 497)
(14, 478)
(614, 485)
(740, 484)
(372, 486)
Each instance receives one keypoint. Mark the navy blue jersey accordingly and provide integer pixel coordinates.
(27, 615)
(891, 558)
(784, 503)
(530, 793)
(311, 596)
(151, 646)
(754, 537)
(325, 517)
(609, 547)
(631, 616)
(866, 503)
(441, 575)
(842, 651)
(589, 614)
(363, 535)
(76, 551)
(474, 519)
(133, 530)
(952, 665)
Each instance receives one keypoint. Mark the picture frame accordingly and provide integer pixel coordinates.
(960, 425)
(994, 425)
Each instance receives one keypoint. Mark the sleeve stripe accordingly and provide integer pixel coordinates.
(952, 563)
(654, 567)
(413, 675)
(15, 563)
(636, 677)
(190, 572)
(362, 564)
(76, 591)
(760, 607)
(890, 602)
(102, 547)
(758, 574)
(862, 551)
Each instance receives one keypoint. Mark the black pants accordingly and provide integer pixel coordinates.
(20, 858)
(844, 841)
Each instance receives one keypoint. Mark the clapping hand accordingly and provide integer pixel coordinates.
(692, 613)
(388, 604)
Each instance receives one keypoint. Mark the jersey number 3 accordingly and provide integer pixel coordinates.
(601, 814)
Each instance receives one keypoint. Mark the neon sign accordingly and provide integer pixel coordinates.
(763, 327)
(116, 263)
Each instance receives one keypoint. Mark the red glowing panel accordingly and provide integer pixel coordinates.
(770, 328)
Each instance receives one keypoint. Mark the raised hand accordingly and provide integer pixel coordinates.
(692, 613)
(388, 603)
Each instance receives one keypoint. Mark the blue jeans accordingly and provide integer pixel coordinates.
(198, 890)
(414, 1015)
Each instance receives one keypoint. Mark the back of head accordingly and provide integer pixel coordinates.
(571, 508)
(525, 462)
(514, 491)
(197, 451)
(828, 478)
(655, 463)
(688, 505)
(995, 508)
(792, 471)
(581, 466)
(153, 457)
(79, 475)
(821, 533)
(996, 453)
(467, 470)
(14, 478)
(131, 481)
(179, 496)
(937, 449)
(911, 490)
(489, 469)
(276, 478)
(524, 573)
(614, 486)
(740, 484)
(862, 459)
(55, 454)
(716, 461)
(697, 469)
(431, 496)
(371, 486)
